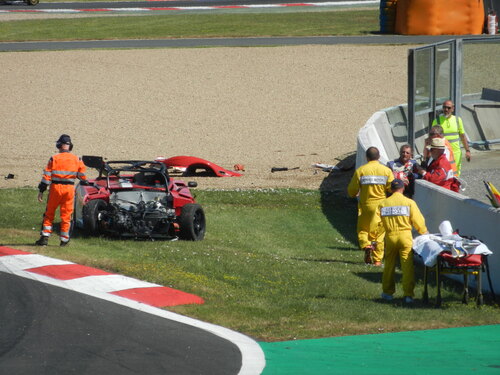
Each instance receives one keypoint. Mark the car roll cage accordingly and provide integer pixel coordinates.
(113, 168)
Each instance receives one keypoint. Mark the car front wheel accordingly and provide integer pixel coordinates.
(192, 222)
(91, 216)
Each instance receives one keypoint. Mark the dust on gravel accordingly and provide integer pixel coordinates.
(260, 107)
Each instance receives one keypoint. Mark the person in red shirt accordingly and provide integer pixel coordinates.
(439, 171)
(437, 132)
(60, 174)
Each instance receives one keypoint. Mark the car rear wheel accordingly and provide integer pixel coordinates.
(192, 222)
(91, 216)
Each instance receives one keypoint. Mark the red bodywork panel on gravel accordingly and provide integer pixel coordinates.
(194, 166)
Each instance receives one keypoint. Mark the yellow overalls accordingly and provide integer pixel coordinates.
(371, 181)
(397, 214)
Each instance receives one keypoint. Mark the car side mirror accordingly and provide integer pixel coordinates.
(192, 184)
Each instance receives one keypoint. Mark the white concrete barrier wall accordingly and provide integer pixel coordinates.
(368, 137)
(470, 216)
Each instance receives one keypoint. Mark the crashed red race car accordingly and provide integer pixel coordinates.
(137, 199)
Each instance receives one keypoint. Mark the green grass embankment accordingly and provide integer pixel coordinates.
(275, 265)
(352, 22)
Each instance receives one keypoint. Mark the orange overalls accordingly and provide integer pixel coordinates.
(60, 173)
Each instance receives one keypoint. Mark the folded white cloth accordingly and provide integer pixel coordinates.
(429, 246)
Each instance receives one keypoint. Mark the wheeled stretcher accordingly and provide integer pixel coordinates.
(473, 264)
(453, 254)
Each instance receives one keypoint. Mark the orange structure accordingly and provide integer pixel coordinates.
(439, 17)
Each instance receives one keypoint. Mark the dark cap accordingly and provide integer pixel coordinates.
(64, 139)
(397, 184)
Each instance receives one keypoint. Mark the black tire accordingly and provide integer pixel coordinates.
(192, 222)
(90, 216)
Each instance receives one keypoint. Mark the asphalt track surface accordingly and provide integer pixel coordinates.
(169, 4)
(46, 329)
(219, 42)
(16, 4)
(55, 311)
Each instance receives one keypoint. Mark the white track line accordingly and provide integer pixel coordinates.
(24, 262)
(189, 8)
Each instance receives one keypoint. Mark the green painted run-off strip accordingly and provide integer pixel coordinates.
(469, 350)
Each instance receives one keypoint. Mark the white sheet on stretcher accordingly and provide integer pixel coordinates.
(428, 246)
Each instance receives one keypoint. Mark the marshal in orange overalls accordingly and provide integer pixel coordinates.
(60, 174)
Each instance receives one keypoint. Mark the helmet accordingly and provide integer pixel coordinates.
(64, 140)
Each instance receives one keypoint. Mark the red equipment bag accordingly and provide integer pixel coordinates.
(472, 260)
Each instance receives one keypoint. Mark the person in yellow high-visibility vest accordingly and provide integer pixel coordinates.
(397, 214)
(371, 182)
(453, 129)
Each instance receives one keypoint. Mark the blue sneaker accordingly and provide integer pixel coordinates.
(386, 297)
(408, 299)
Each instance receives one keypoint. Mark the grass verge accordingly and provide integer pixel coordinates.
(276, 265)
(352, 22)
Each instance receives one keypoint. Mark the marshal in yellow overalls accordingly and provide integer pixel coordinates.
(371, 181)
(397, 214)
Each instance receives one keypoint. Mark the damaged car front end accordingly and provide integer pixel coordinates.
(137, 199)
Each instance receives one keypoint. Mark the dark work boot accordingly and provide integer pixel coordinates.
(42, 241)
(64, 243)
